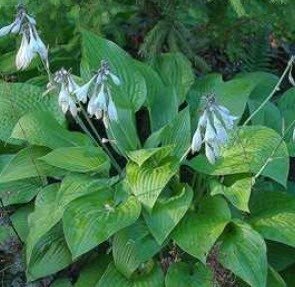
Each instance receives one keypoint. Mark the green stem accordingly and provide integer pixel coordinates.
(276, 88)
(106, 149)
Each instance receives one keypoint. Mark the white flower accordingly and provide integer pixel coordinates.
(210, 133)
(112, 111)
(31, 44)
(115, 79)
(6, 30)
(197, 140)
(100, 104)
(82, 92)
(213, 126)
(37, 46)
(209, 152)
(24, 55)
(66, 102)
(221, 133)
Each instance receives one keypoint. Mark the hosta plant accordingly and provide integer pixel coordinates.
(141, 174)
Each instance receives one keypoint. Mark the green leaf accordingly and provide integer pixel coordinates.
(44, 217)
(274, 279)
(245, 155)
(243, 251)
(53, 200)
(162, 101)
(262, 82)
(177, 133)
(92, 219)
(289, 276)
(133, 246)
(237, 189)
(92, 271)
(49, 256)
(273, 215)
(20, 191)
(18, 99)
(183, 275)
(149, 278)
(19, 220)
(78, 159)
(61, 282)
(269, 116)
(41, 128)
(285, 104)
(167, 213)
(26, 164)
(198, 231)
(131, 93)
(280, 256)
(124, 132)
(176, 71)
(149, 179)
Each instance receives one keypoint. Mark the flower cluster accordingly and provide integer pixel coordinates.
(101, 104)
(97, 90)
(213, 127)
(31, 43)
(68, 85)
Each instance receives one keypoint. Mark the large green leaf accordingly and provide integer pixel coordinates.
(243, 251)
(198, 231)
(149, 179)
(167, 212)
(52, 201)
(45, 216)
(176, 71)
(26, 164)
(49, 256)
(269, 116)
(183, 275)
(92, 219)
(177, 133)
(124, 132)
(248, 152)
(20, 191)
(41, 128)
(162, 101)
(273, 215)
(149, 278)
(274, 279)
(237, 189)
(262, 82)
(19, 99)
(286, 104)
(92, 271)
(133, 246)
(78, 159)
(279, 255)
(19, 220)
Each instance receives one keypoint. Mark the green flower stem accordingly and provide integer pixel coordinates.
(106, 149)
(276, 88)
